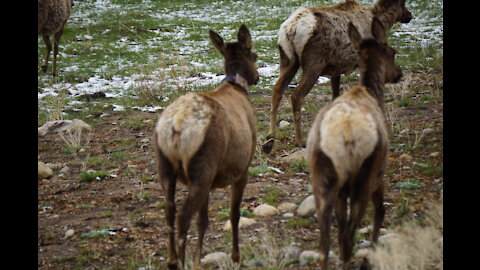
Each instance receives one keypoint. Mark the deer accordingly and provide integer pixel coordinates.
(316, 39)
(347, 146)
(206, 140)
(52, 16)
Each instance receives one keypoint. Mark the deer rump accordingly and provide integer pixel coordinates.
(198, 126)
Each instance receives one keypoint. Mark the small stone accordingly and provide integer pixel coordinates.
(308, 256)
(288, 215)
(291, 253)
(287, 207)
(434, 154)
(283, 124)
(69, 233)
(307, 207)
(405, 157)
(265, 210)
(215, 258)
(44, 171)
(64, 170)
(428, 130)
(244, 222)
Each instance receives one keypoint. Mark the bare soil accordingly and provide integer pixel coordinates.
(130, 204)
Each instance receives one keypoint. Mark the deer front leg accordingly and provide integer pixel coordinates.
(202, 224)
(235, 201)
(48, 49)
(57, 37)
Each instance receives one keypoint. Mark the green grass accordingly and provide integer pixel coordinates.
(92, 175)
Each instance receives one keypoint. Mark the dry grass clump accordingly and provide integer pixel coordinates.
(414, 246)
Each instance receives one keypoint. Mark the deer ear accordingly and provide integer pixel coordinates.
(354, 35)
(378, 31)
(244, 37)
(217, 41)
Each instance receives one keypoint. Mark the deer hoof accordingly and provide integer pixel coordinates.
(172, 266)
(44, 69)
(267, 147)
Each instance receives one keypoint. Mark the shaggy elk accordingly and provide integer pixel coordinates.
(347, 146)
(315, 39)
(207, 141)
(52, 16)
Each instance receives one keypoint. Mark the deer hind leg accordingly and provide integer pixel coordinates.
(288, 68)
(48, 49)
(325, 189)
(202, 224)
(308, 80)
(57, 37)
(197, 195)
(235, 201)
(167, 178)
(341, 215)
(377, 200)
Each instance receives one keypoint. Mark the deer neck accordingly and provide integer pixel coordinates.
(237, 80)
(371, 78)
(386, 15)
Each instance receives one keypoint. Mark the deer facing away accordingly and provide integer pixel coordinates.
(316, 39)
(207, 141)
(52, 16)
(347, 146)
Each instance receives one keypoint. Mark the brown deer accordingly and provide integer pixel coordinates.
(315, 39)
(52, 16)
(207, 141)
(347, 145)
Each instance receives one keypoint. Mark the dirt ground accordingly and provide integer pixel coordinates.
(130, 203)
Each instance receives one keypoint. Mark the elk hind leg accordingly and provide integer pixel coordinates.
(48, 49)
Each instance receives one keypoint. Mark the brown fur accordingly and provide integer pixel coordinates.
(316, 40)
(347, 146)
(52, 16)
(207, 141)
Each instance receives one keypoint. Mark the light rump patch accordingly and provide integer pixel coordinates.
(182, 128)
(348, 136)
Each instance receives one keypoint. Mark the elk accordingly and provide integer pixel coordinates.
(207, 141)
(52, 16)
(315, 39)
(347, 146)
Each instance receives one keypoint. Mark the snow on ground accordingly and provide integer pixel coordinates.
(424, 29)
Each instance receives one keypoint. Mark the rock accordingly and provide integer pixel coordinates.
(361, 253)
(44, 171)
(65, 169)
(434, 154)
(428, 131)
(265, 210)
(215, 258)
(363, 244)
(365, 230)
(405, 157)
(287, 207)
(244, 222)
(288, 215)
(307, 207)
(63, 125)
(296, 156)
(308, 256)
(283, 124)
(69, 233)
(291, 253)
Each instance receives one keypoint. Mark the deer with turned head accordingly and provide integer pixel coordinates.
(207, 141)
(316, 39)
(347, 146)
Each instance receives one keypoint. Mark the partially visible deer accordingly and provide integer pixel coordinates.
(52, 16)
(207, 141)
(316, 39)
(347, 145)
